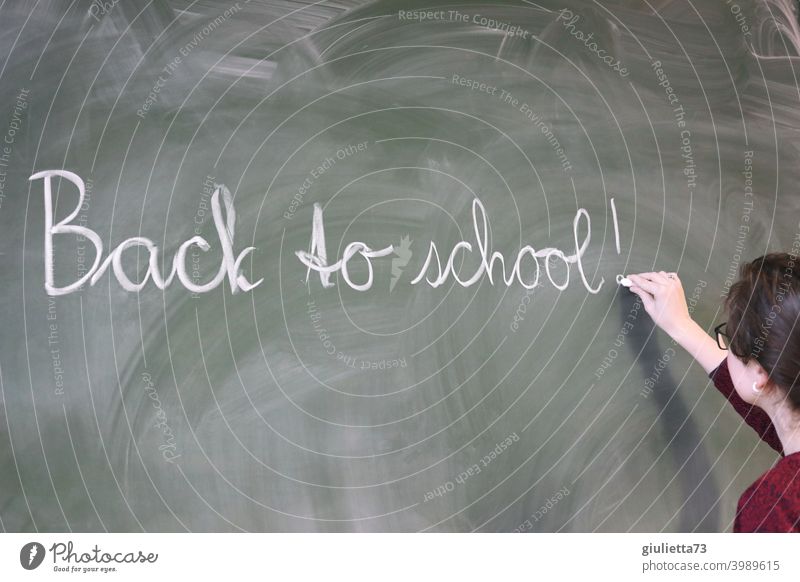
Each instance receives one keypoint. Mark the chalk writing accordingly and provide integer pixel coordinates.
(316, 259)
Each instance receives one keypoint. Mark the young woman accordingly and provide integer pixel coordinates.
(755, 363)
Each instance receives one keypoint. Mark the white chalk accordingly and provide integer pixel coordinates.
(624, 281)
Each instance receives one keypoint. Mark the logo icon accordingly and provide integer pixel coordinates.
(404, 254)
(31, 555)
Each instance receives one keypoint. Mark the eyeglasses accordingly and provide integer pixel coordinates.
(724, 339)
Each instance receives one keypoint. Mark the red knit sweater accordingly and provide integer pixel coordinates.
(772, 503)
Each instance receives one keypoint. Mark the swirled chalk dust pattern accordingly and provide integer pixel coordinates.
(353, 266)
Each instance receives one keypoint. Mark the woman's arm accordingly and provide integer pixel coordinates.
(698, 343)
(665, 301)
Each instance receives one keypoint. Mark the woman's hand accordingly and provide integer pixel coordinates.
(664, 300)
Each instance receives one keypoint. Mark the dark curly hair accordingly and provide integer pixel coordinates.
(763, 309)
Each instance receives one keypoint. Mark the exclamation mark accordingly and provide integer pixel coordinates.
(616, 224)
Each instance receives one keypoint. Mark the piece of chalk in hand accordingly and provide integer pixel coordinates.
(624, 281)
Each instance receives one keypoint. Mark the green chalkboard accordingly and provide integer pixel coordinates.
(351, 266)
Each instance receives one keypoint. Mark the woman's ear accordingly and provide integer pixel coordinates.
(760, 376)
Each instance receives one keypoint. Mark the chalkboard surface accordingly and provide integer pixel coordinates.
(345, 266)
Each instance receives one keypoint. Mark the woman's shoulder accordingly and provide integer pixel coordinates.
(772, 502)
(782, 480)
(721, 371)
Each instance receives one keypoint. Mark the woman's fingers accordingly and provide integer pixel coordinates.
(647, 300)
(656, 277)
(663, 298)
(648, 284)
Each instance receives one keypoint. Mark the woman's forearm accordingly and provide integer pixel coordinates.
(665, 301)
(694, 339)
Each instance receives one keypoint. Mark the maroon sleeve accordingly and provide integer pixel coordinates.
(752, 415)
